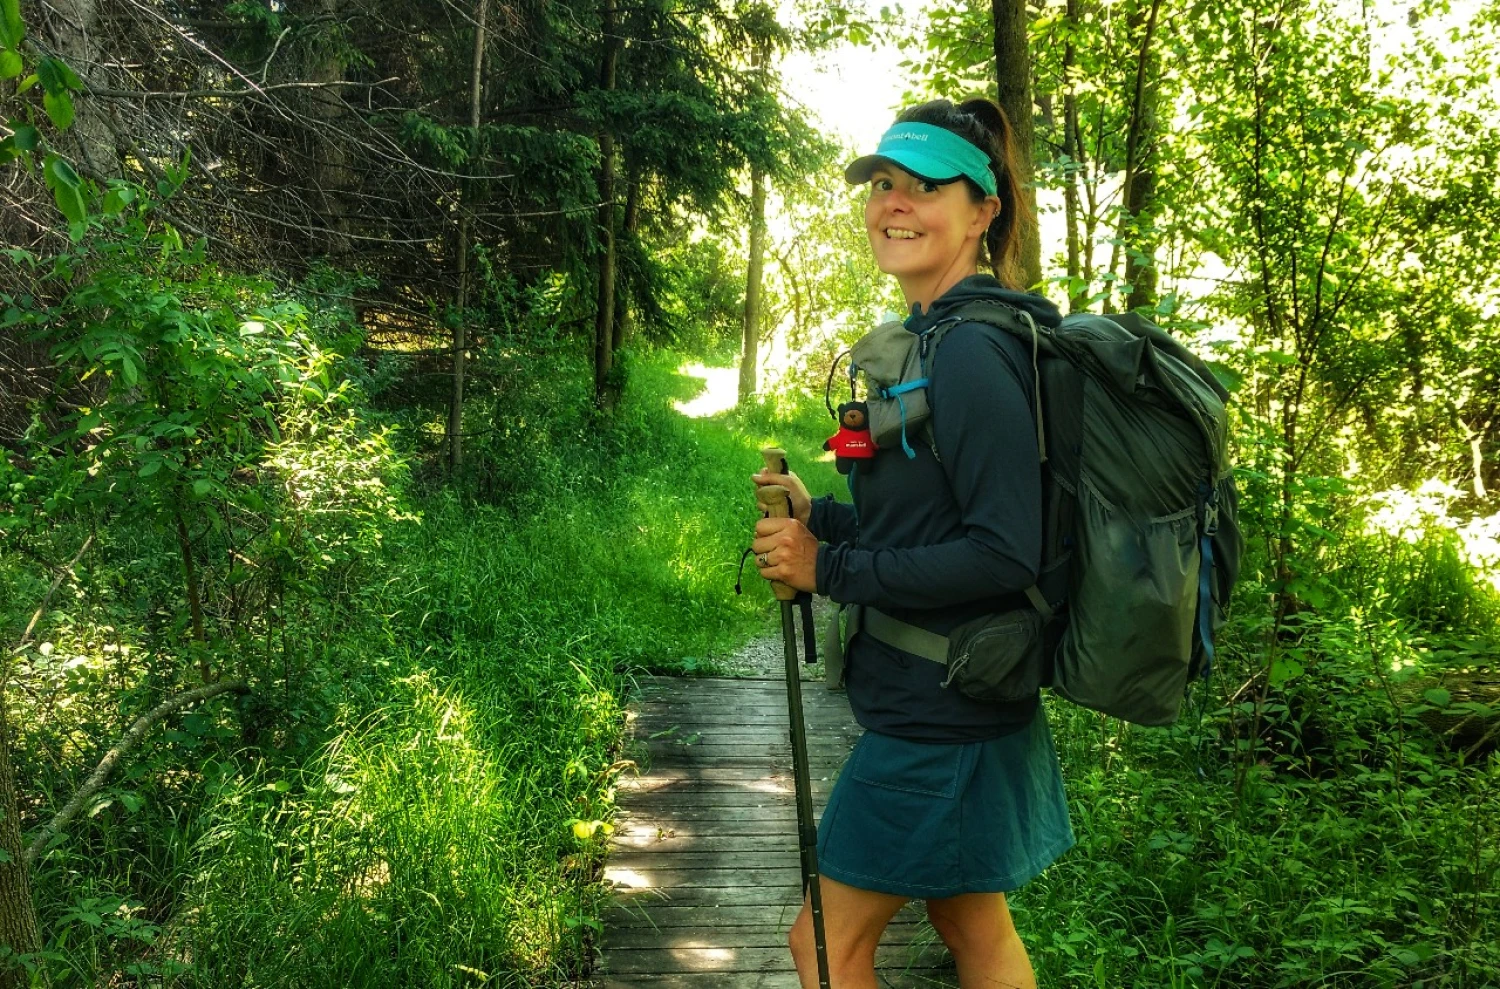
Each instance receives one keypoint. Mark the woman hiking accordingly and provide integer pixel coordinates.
(945, 798)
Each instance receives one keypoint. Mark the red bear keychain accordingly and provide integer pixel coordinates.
(852, 442)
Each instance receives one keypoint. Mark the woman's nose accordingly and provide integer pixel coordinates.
(898, 200)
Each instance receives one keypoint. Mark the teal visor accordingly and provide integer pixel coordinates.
(927, 152)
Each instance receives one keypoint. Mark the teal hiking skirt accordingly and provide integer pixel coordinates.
(927, 821)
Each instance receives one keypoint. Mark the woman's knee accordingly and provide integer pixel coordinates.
(800, 939)
(971, 919)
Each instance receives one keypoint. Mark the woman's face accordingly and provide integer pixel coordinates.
(926, 235)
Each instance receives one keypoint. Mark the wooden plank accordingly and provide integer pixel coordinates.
(889, 979)
(630, 842)
(707, 858)
(712, 958)
(703, 778)
(704, 859)
(741, 936)
(671, 878)
(664, 916)
(684, 799)
(712, 896)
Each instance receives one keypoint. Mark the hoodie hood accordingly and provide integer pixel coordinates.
(988, 288)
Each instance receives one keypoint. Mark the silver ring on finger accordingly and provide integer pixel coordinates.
(765, 559)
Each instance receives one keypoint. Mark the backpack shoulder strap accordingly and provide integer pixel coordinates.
(1020, 324)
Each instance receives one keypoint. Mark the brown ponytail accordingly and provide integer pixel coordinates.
(983, 124)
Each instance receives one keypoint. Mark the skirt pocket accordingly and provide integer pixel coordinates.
(930, 770)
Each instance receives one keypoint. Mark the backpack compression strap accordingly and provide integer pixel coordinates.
(1208, 500)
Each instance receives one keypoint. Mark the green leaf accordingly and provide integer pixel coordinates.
(56, 171)
(70, 203)
(56, 77)
(1283, 669)
(27, 137)
(10, 64)
(59, 107)
(12, 28)
(67, 188)
(1437, 697)
(202, 487)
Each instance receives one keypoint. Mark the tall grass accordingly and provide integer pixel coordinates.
(442, 818)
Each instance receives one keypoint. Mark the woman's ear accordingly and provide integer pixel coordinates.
(988, 210)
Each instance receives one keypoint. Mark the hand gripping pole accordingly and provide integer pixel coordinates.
(775, 502)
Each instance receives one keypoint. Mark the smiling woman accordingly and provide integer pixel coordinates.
(947, 798)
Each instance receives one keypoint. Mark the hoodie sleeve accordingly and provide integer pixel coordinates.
(833, 521)
(986, 435)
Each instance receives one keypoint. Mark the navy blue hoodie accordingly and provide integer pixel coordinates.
(939, 542)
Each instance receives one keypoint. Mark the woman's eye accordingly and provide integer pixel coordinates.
(929, 187)
(882, 185)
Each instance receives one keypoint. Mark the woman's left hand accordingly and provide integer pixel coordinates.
(786, 551)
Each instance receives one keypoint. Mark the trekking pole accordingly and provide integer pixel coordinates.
(776, 503)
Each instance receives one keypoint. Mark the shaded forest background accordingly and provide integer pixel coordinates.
(345, 487)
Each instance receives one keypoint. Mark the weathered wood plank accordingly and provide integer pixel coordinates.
(630, 842)
(622, 916)
(705, 865)
(651, 897)
(713, 958)
(761, 935)
(675, 879)
(889, 979)
(786, 854)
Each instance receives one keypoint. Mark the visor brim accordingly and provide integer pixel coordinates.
(923, 167)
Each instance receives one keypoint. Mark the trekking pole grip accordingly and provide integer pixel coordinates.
(775, 504)
(775, 458)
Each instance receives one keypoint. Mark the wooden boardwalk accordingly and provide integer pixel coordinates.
(705, 858)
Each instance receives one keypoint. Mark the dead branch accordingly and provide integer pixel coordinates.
(177, 94)
(46, 600)
(121, 749)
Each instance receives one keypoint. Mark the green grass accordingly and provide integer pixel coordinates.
(436, 827)
(420, 808)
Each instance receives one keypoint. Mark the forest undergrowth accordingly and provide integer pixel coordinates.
(417, 790)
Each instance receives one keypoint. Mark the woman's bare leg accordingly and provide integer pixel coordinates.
(977, 929)
(853, 920)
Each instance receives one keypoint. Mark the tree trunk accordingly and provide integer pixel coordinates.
(195, 599)
(332, 175)
(604, 316)
(461, 328)
(624, 291)
(1073, 153)
(1013, 79)
(18, 927)
(77, 38)
(1140, 172)
(750, 356)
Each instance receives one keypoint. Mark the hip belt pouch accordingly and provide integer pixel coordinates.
(998, 659)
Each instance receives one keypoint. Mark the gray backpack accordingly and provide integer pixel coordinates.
(1140, 541)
